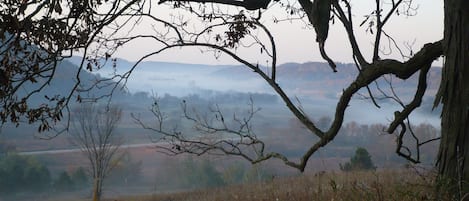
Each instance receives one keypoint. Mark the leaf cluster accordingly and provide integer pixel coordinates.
(237, 30)
(35, 36)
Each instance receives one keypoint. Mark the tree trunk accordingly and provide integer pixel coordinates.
(454, 92)
(97, 190)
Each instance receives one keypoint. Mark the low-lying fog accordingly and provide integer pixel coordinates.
(144, 171)
(317, 93)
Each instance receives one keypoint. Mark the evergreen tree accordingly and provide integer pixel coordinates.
(360, 161)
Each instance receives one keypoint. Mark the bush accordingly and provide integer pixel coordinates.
(360, 161)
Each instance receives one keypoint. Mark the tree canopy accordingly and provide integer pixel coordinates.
(34, 37)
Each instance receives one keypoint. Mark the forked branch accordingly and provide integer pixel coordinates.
(215, 133)
(235, 29)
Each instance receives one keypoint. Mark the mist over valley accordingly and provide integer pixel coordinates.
(231, 88)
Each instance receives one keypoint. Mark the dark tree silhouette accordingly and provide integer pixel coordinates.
(454, 96)
(35, 36)
(360, 161)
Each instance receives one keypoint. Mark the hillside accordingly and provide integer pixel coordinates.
(63, 81)
(298, 79)
(313, 83)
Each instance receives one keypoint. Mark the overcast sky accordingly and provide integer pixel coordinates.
(297, 44)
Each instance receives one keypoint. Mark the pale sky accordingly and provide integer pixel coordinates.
(295, 43)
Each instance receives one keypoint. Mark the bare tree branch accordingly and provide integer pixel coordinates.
(226, 33)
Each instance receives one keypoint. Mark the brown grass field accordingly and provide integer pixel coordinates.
(400, 185)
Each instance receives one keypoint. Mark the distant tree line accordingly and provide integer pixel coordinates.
(197, 173)
(204, 97)
(27, 174)
(77, 180)
(19, 173)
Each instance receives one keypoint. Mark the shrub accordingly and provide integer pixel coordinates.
(360, 161)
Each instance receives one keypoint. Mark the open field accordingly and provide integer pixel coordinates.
(403, 185)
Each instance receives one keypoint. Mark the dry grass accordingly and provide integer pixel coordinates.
(399, 185)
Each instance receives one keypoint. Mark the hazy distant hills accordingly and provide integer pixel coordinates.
(311, 80)
(317, 78)
(315, 85)
(308, 75)
(64, 79)
(301, 77)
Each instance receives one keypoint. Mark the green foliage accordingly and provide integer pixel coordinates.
(64, 182)
(360, 161)
(33, 37)
(22, 173)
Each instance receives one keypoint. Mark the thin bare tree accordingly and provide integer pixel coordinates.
(94, 130)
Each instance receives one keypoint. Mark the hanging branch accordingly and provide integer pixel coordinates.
(226, 34)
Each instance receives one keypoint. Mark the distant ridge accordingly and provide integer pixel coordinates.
(303, 78)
